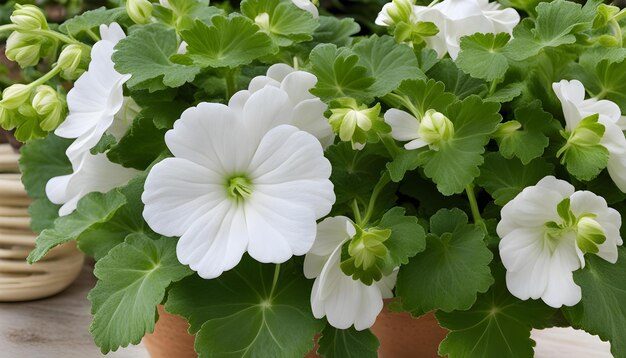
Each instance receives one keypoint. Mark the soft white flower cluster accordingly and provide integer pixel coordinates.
(96, 106)
(454, 19)
(545, 231)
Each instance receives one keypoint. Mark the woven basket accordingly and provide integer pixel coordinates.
(20, 281)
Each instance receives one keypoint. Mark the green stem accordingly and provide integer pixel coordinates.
(384, 180)
(45, 78)
(404, 102)
(357, 212)
(617, 30)
(275, 280)
(55, 35)
(93, 35)
(492, 88)
(296, 63)
(478, 220)
(231, 87)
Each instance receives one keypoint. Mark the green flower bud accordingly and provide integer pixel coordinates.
(15, 95)
(367, 246)
(506, 129)
(28, 17)
(401, 10)
(352, 121)
(139, 11)
(5, 118)
(49, 105)
(263, 21)
(435, 128)
(23, 48)
(69, 61)
(589, 234)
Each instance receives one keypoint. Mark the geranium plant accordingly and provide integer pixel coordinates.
(271, 172)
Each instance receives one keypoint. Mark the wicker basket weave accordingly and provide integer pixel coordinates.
(20, 281)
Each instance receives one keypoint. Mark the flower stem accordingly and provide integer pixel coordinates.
(231, 86)
(56, 35)
(45, 78)
(357, 212)
(93, 35)
(404, 101)
(478, 220)
(275, 280)
(384, 180)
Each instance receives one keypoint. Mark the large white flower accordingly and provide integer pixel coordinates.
(97, 96)
(458, 18)
(544, 230)
(576, 108)
(308, 113)
(343, 300)
(91, 173)
(237, 184)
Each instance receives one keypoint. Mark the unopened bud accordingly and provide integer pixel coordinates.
(69, 61)
(16, 95)
(5, 117)
(49, 105)
(400, 10)
(352, 121)
(589, 234)
(139, 11)
(28, 17)
(506, 129)
(23, 48)
(435, 128)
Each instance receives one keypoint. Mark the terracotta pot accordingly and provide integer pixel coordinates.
(400, 335)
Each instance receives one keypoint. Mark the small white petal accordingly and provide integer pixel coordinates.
(403, 125)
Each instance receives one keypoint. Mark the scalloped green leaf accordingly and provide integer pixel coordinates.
(481, 55)
(347, 343)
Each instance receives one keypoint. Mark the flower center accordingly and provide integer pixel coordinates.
(239, 187)
(589, 233)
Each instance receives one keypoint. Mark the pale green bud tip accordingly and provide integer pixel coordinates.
(435, 128)
(263, 21)
(506, 129)
(351, 118)
(589, 234)
(15, 95)
(28, 17)
(401, 10)
(70, 58)
(367, 246)
(48, 104)
(23, 48)
(139, 11)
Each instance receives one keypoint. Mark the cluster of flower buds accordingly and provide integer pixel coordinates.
(27, 44)
(32, 110)
(354, 122)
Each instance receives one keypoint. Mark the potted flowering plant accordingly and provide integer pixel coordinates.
(271, 174)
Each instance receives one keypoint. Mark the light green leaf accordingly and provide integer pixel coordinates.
(455, 164)
(405, 161)
(335, 31)
(582, 154)
(132, 280)
(92, 209)
(481, 55)
(451, 271)
(528, 142)
(287, 25)
(608, 81)
(388, 62)
(339, 74)
(100, 238)
(140, 146)
(248, 311)
(41, 160)
(601, 310)
(145, 54)
(186, 11)
(504, 179)
(455, 80)
(497, 325)
(227, 42)
(407, 237)
(347, 343)
(423, 95)
(90, 20)
(506, 93)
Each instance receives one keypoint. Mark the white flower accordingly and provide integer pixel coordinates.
(544, 230)
(404, 127)
(91, 173)
(97, 96)
(307, 5)
(343, 300)
(308, 113)
(237, 184)
(576, 108)
(458, 18)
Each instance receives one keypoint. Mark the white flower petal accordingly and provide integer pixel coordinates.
(307, 5)
(298, 85)
(112, 33)
(403, 125)
(279, 71)
(331, 233)
(266, 109)
(308, 116)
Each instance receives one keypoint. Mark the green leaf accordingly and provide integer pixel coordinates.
(40, 161)
(347, 343)
(335, 31)
(407, 237)
(481, 55)
(339, 74)
(227, 42)
(601, 311)
(388, 62)
(105, 143)
(424, 95)
(455, 80)
(89, 20)
(186, 11)
(505, 178)
(405, 161)
(583, 155)
(248, 311)
(287, 25)
(132, 280)
(530, 141)
(92, 209)
(145, 54)
(451, 271)
(608, 81)
(497, 325)
(140, 146)
(101, 237)
(506, 93)
(455, 164)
